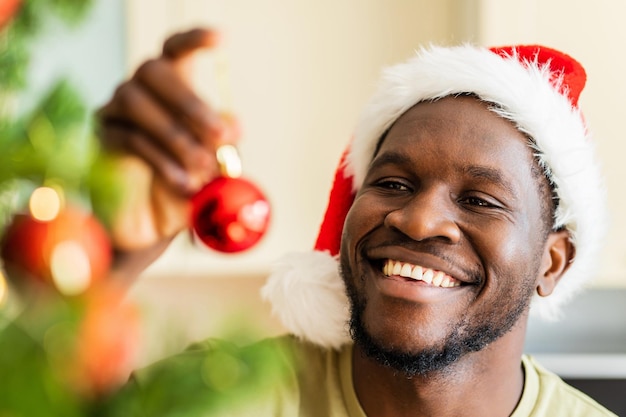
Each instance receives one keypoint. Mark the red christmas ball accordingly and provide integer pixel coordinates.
(108, 342)
(71, 252)
(230, 214)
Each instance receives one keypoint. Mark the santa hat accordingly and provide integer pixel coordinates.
(537, 89)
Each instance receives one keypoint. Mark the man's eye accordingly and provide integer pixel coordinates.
(477, 202)
(392, 185)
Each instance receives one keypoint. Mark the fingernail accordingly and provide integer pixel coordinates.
(231, 128)
(215, 126)
(194, 184)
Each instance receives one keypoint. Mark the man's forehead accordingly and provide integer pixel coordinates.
(431, 116)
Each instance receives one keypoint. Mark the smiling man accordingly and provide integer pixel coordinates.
(444, 246)
(449, 197)
(467, 200)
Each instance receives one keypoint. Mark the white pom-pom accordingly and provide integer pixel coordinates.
(309, 297)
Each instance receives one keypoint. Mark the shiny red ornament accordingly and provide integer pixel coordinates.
(230, 214)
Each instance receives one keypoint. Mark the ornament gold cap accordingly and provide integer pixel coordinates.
(229, 161)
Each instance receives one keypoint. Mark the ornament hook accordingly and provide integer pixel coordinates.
(229, 161)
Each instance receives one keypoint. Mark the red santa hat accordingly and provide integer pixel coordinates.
(537, 89)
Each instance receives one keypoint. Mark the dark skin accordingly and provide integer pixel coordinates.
(166, 138)
(450, 190)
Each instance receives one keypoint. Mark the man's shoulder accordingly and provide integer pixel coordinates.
(554, 397)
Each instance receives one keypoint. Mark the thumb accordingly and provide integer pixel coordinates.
(183, 44)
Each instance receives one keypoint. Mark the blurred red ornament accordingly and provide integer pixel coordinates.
(71, 251)
(8, 8)
(230, 214)
(108, 342)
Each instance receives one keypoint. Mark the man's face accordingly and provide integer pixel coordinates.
(450, 200)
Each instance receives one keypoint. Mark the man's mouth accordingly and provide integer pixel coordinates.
(419, 273)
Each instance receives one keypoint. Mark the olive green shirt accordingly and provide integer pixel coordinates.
(321, 385)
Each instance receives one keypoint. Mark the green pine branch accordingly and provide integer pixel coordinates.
(55, 142)
(26, 24)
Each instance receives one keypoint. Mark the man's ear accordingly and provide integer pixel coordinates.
(557, 257)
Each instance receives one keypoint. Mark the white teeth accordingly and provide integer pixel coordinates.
(428, 276)
(438, 279)
(418, 273)
(445, 282)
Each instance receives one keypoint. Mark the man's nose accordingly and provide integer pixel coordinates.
(429, 214)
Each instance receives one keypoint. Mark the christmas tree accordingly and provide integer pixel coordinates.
(67, 336)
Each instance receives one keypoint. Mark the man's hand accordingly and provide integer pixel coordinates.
(165, 137)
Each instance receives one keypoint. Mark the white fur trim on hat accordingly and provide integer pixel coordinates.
(309, 297)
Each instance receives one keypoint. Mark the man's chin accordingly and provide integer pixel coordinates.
(411, 363)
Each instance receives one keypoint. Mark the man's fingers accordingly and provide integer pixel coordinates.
(180, 180)
(162, 80)
(145, 216)
(137, 108)
(157, 116)
(182, 44)
(164, 166)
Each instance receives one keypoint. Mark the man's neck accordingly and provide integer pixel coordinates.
(485, 383)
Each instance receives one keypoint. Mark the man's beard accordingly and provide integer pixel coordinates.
(464, 337)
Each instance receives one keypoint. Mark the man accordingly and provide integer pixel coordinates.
(468, 193)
